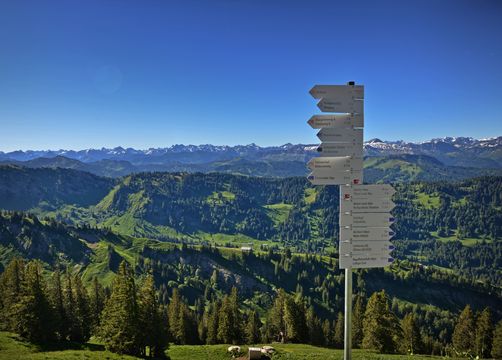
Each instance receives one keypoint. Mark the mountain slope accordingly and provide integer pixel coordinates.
(256, 275)
(460, 151)
(389, 168)
(23, 188)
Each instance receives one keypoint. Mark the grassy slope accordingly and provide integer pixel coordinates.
(12, 348)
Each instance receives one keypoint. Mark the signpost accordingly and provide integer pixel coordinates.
(337, 91)
(366, 247)
(358, 262)
(366, 233)
(343, 105)
(335, 178)
(340, 149)
(373, 205)
(365, 217)
(336, 120)
(335, 134)
(353, 220)
(336, 163)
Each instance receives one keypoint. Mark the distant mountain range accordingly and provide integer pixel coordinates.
(444, 158)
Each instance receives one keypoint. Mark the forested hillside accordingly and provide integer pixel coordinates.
(454, 225)
(198, 283)
(186, 230)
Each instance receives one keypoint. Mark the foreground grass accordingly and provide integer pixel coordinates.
(284, 352)
(13, 348)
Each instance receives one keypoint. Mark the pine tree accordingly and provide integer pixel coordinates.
(381, 326)
(275, 325)
(174, 313)
(69, 309)
(327, 332)
(358, 321)
(152, 327)
(212, 324)
(34, 313)
(253, 328)
(57, 302)
(225, 319)
(11, 283)
(229, 319)
(464, 332)
(294, 321)
(82, 313)
(338, 333)
(497, 341)
(120, 328)
(411, 342)
(314, 327)
(484, 333)
(97, 303)
(237, 320)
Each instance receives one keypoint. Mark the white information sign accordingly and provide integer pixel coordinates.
(367, 205)
(340, 149)
(365, 247)
(345, 135)
(341, 106)
(366, 233)
(368, 191)
(337, 91)
(339, 178)
(336, 121)
(365, 261)
(335, 164)
(366, 219)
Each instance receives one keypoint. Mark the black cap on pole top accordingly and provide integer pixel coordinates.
(351, 83)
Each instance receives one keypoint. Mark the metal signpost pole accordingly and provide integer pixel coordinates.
(365, 217)
(347, 349)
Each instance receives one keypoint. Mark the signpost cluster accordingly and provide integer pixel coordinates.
(365, 219)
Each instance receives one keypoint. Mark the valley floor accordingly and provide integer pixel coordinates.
(11, 348)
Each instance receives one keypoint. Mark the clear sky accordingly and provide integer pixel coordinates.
(152, 73)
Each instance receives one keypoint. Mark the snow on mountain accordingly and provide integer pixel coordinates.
(462, 151)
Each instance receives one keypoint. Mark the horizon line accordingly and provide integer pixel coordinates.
(237, 145)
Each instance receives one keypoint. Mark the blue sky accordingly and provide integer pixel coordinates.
(152, 73)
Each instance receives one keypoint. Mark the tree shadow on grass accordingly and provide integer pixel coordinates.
(70, 345)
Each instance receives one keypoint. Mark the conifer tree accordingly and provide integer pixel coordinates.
(381, 327)
(314, 327)
(212, 324)
(497, 341)
(327, 332)
(119, 324)
(338, 333)
(11, 283)
(225, 334)
(152, 327)
(82, 315)
(411, 342)
(69, 309)
(358, 321)
(294, 321)
(275, 325)
(484, 333)
(253, 328)
(174, 313)
(464, 332)
(34, 313)
(57, 301)
(97, 300)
